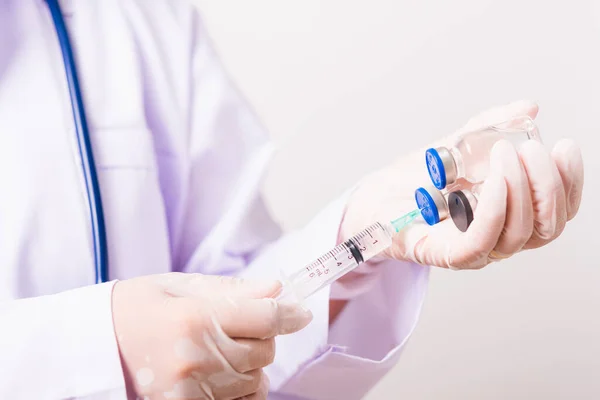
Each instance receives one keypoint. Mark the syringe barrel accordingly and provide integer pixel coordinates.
(337, 262)
(373, 240)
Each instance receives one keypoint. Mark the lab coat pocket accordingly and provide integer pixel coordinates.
(132, 200)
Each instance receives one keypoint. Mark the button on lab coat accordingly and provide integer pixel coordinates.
(180, 158)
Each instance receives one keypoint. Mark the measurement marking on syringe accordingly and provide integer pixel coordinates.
(344, 257)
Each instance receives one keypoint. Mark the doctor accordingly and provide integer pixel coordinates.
(179, 158)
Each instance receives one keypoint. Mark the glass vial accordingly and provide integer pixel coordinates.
(468, 156)
(437, 205)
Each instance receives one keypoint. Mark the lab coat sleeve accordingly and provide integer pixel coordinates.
(60, 346)
(227, 230)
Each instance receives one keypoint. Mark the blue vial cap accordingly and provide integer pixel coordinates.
(435, 166)
(429, 209)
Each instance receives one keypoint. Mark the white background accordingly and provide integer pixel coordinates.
(346, 86)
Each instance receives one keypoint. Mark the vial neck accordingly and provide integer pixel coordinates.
(459, 163)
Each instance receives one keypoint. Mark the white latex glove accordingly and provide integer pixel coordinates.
(527, 199)
(190, 336)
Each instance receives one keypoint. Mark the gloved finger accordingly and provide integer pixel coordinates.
(226, 387)
(259, 318)
(499, 114)
(547, 194)
(567, 158)
(443, 246)
(194, 285)
(261, 393)
(248, 354)
(471, 249)
(518, 225)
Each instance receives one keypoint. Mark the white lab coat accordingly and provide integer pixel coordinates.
(180, 158)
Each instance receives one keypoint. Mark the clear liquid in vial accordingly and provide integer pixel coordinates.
(471, 152)
(468, 158)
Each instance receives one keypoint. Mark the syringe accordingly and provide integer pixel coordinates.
(343, 258)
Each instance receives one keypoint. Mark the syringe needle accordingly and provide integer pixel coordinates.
(406, 219)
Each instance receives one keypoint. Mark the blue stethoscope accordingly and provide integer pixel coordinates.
(85, 147)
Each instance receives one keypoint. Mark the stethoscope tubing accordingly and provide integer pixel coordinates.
(90, 175)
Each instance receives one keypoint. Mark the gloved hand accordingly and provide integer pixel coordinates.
(190, 336)
(525, 202)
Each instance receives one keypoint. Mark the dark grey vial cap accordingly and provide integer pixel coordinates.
(461, 210)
